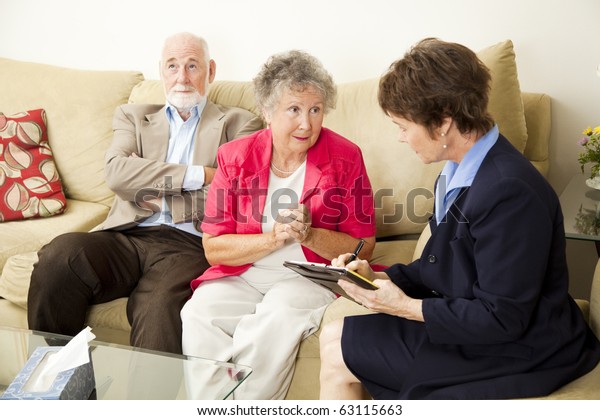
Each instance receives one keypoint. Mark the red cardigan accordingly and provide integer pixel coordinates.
(336, 189)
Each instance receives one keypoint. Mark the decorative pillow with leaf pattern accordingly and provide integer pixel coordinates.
(30, 185)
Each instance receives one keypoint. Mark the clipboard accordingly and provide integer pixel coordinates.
(327, 276)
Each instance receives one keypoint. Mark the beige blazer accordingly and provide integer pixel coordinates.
(144, 130)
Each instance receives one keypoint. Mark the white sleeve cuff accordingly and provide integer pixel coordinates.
(194, 178)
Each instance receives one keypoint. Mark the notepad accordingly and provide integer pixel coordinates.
(328, 276)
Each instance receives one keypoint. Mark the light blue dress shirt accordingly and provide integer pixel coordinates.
(455, 176)
(181, 150)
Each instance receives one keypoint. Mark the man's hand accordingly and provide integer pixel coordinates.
(152, 203)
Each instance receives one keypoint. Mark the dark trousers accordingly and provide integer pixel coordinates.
(153, 266)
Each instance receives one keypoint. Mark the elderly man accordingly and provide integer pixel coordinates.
(160, 164)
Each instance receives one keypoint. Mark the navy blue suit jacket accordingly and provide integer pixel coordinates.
(498, 317)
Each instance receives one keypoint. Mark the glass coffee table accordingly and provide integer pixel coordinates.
(581, 210)
(128, 373)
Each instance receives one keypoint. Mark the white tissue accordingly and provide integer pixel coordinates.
(74, 354)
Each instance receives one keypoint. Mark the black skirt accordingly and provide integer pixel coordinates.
(378, 349)
(395, 360)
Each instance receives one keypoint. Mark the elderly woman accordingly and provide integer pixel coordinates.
(485, 312)
(294, 191)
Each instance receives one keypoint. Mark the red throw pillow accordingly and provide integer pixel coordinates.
(29, 182)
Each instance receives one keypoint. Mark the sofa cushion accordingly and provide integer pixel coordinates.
(538, 114)
(147, 92)
(396, 173)
(80, 105)
(12, 316)
(109, 317)
(404, 209)
(400, 209)
(32, 234)
(15, 278)
(506, 103)
(30, 186)
(387, 253)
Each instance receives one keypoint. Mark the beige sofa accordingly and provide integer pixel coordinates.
(80, 105)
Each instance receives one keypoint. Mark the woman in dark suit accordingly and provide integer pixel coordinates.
(485, 311)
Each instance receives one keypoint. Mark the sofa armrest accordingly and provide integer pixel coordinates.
(594, 306)
(584, 305)
(538, 118)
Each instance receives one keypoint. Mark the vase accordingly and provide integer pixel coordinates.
(593, 182)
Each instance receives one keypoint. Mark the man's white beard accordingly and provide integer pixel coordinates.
(184, 101)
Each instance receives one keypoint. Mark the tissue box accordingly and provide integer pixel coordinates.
(73, 384)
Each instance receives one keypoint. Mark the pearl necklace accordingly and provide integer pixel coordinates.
(282, 171)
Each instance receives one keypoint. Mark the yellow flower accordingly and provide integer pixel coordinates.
(590, 152)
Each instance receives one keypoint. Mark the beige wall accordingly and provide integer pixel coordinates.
(557, 43)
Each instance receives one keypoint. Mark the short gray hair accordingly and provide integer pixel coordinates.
(294, 70)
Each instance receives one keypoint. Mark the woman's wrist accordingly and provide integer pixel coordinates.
(273, 241)
(414, 310)
(307, 235)
(381, 275)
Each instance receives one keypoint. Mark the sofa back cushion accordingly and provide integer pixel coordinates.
(402, 184)
(594, 315)
(395, 171)
(398, 177)
(538, 114)
(506, 103)
(79, 105)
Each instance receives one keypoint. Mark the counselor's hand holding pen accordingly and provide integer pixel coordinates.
(388, 299)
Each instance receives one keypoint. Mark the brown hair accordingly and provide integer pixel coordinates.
(435, 80)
